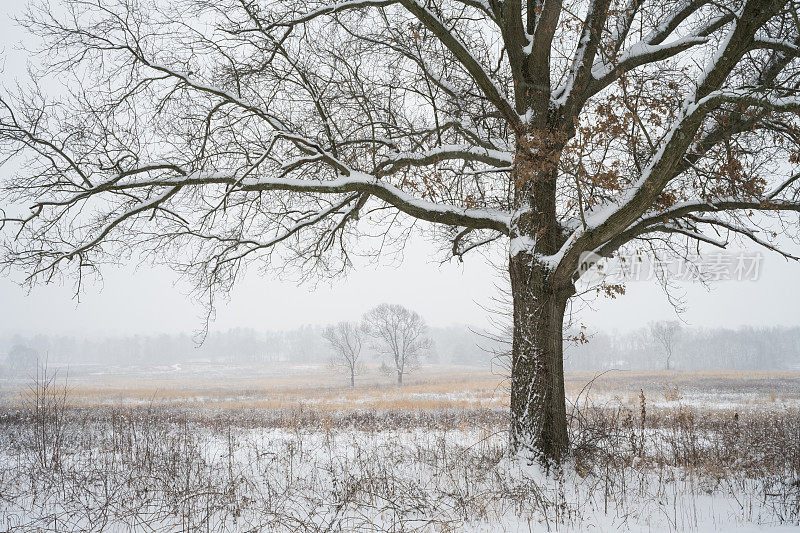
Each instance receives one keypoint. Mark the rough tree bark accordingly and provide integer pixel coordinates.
(539, 293)
(538, 408)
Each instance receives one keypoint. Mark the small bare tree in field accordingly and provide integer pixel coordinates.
(400, 334)
(46, 400)
(209, 135)
(345, 339)
(664, 333)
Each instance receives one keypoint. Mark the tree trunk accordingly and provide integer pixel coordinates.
(352, 379)
(538, 408)
(399, 378)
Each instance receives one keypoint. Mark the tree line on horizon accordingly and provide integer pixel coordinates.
(690, 348)
(305, 344)
(744, 348)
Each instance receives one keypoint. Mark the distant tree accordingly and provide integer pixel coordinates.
(400, 334)
(345, 339)
(664, 334)
(22, 357)
(303, 344)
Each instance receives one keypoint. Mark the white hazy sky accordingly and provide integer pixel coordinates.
(150, 299)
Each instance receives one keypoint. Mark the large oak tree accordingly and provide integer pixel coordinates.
(213, 134)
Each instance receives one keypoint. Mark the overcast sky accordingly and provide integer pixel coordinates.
(150, 300)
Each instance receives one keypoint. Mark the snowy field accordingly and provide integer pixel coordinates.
(200, 447)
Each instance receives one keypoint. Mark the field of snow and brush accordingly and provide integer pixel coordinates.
(199, 447)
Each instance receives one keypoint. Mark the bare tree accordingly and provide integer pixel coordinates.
(345, 340)
(209, 135)
(46, 400)
(400, 334)
(664, 333)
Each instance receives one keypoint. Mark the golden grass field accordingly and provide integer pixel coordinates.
(288, 386)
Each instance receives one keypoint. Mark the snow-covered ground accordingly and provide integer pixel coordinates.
(643, 460)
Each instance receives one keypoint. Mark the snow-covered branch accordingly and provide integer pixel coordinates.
(467, 60)
(612, 221)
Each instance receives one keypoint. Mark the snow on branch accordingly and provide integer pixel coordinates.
(467, 60)
(494, 158)
(756, 98)
(639, 54)
(579, 73)
(327, 9)
(651, 49)
(614, 222)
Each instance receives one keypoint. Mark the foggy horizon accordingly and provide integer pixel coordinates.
(156, 301)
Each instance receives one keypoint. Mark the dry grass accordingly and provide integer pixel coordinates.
(433, 387)
(430, 456)
(285, 387)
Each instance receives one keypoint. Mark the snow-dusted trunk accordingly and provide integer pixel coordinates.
(352, 378)
(399, 377)
(538, 409)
